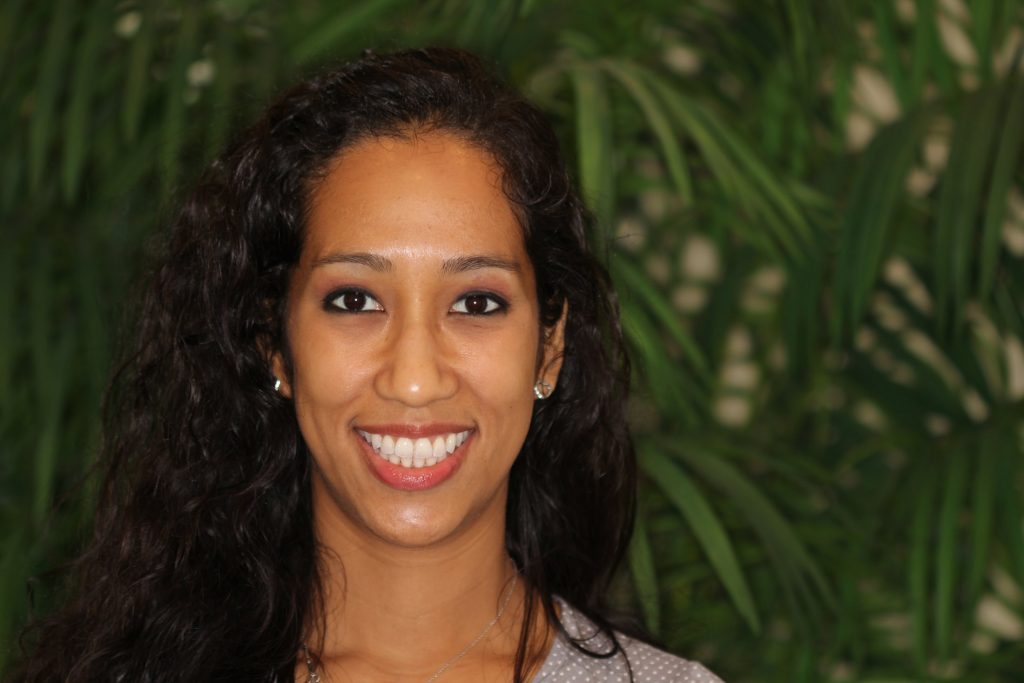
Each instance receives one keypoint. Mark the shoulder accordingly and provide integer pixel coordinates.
(651, 665)
(566, 664)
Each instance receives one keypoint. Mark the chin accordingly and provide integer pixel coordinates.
(402, 519)
(420, 526)
(422, 537)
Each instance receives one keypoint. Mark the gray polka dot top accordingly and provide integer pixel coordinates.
(565, 664)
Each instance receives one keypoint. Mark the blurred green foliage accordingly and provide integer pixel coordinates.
(812, 209)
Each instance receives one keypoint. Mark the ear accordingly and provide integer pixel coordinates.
(277, 367)
(554, 350)
(269, 349)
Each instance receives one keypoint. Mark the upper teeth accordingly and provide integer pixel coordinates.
(422, 452)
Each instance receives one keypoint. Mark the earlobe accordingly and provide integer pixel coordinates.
(280, 377)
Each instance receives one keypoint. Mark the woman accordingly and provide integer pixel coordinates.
(372, 426)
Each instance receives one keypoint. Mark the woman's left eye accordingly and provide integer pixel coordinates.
(479, 304)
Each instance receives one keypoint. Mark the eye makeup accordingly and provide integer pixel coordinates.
(479, 304)
(351, 300)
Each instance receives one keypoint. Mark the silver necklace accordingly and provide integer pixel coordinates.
(314, 677)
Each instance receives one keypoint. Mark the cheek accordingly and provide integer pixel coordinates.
(328, 369)
(501, 373)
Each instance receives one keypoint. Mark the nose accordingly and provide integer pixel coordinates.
(416, 368)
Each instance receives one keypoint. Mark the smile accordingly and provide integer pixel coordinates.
(410, 453)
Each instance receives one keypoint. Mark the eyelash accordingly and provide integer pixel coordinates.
(331, 301)
(500, 305)
(495, 303)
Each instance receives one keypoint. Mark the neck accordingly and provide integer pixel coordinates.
(401, 613)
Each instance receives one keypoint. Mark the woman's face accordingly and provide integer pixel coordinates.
(415, 342)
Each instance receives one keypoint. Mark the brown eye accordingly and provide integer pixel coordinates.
(353, 301)
(476, 304)
(479, 304)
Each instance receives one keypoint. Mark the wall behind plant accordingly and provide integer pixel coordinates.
(813, 212)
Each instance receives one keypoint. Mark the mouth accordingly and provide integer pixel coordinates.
(412, 453)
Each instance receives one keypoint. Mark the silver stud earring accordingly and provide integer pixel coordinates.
(542, 390)
(277, 385)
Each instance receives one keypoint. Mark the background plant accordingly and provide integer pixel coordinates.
(814, 215)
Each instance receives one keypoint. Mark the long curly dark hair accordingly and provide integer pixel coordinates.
(202, 563)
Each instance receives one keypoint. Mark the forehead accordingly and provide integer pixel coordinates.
(430, 192)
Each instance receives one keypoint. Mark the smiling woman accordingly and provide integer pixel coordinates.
(415, 321)
(372, 425)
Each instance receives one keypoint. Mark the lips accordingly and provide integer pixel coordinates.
(415, 457)
(414, 452)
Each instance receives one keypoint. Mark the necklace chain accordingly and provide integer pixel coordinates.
(314, 676)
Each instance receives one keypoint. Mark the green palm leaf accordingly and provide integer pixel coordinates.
(706, 526)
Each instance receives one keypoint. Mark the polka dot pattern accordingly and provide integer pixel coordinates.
(565, 664)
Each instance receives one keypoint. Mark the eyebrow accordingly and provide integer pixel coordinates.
(372, 261)
(452, 266)
(461, 264)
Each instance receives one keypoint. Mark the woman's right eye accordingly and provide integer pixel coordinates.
(352, 301)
